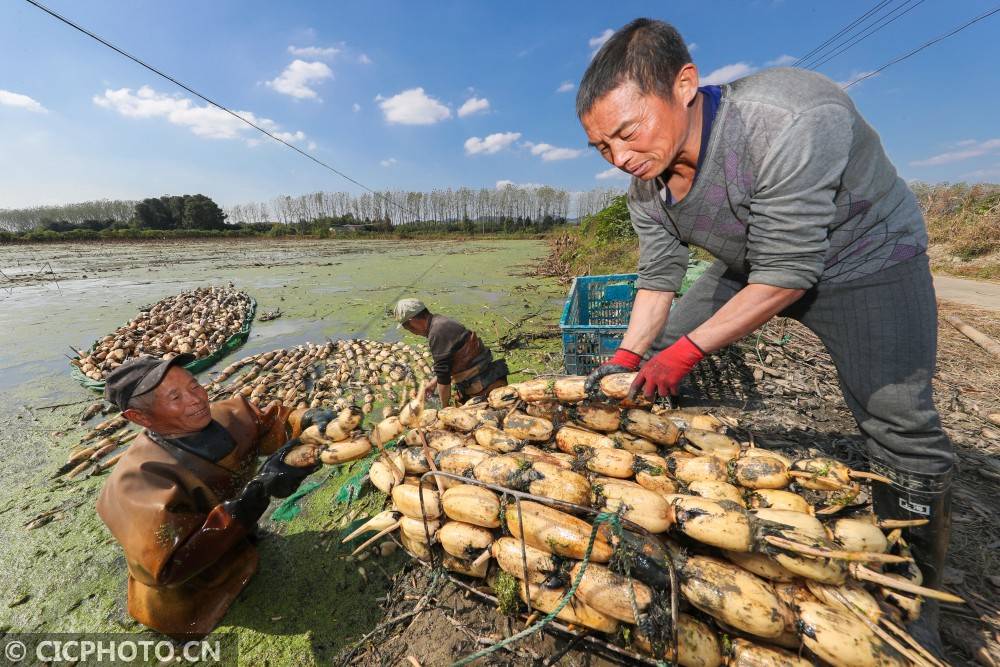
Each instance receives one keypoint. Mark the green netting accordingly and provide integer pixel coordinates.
(290, 509)
(196, 366)
(351, 488)
(348, 492)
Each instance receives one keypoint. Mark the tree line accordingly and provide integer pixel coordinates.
(506, 209)
(80, 214)
(400, 207)
(155, 213)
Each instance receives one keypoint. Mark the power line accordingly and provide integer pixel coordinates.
(213, 103)
(861, 18)
(924, 46)
(871, 30)
(375, 317)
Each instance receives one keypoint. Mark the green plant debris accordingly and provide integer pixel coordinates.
(505, 588)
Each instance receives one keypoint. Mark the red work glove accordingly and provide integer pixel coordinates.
(663, 373)
(623, 361)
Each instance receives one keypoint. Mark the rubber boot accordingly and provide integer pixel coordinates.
(920, 496)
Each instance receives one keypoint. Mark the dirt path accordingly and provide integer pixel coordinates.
(981, 293)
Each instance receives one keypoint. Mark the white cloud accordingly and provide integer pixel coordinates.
(966, 142)
(413, 107)
(692, 46)
(313, 51)
(297, 78)
(363, 59)
(854, 77)
(9, 99)
(204, 121)
(388, 162)
(613, 172)
(783, 60)
(968, 151)
(595, 43)
(727, 73)
(549, 153)
(311, 146)
(504, 183)
(355, 107)
(565, 87)
(493, 143)
(473, 105)
(291, 137)
(987, 175)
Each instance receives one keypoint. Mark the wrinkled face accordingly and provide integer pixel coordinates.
(642, 134)
(179, 405)
(416, 325)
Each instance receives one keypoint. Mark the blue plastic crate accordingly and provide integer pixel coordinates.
(594, 319)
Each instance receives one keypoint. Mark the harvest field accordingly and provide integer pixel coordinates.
(68, 575)
(308, 604)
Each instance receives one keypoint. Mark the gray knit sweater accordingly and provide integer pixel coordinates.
(795, 189)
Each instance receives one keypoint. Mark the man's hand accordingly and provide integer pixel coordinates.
(250, 505)
(662, 375)
(444, 393)
(280, 479)
(431, 387)
(623, 361)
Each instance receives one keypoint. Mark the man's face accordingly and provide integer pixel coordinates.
(179, 405)
(416, 325)
(641, 134)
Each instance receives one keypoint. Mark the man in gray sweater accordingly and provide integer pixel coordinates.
(782, 180)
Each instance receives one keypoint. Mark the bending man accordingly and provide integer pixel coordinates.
(459, 356)
(779, 177)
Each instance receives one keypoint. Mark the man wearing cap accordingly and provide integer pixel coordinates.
(185, 498)
(460, 358)
(779, 176)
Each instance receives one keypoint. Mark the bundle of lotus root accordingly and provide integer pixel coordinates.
(773, 552)
(197, 321)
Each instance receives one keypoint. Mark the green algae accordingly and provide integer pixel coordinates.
(308, 598)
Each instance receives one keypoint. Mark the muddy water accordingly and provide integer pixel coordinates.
(307, 600)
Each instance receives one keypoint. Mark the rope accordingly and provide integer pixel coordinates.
(603, 517)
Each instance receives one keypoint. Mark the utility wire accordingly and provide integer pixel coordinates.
(856, 21)
(215, 104)
(924, 46)
(860, 37)
(376, 316)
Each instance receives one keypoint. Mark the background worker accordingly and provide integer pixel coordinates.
(460, 358)
(779, 177)
(185, 498)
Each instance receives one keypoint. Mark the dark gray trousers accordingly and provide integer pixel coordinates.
(881, 331)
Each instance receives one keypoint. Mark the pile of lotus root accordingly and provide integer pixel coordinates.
(198, 322)
(776, 558)
(335, 374)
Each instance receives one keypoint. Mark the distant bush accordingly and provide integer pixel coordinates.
(964, 219)
(610, 225)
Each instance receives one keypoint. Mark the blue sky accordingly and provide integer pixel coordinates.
(422, 95)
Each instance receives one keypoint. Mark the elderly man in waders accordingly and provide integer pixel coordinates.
(460, 358)
(782, 180)
(185, 498)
